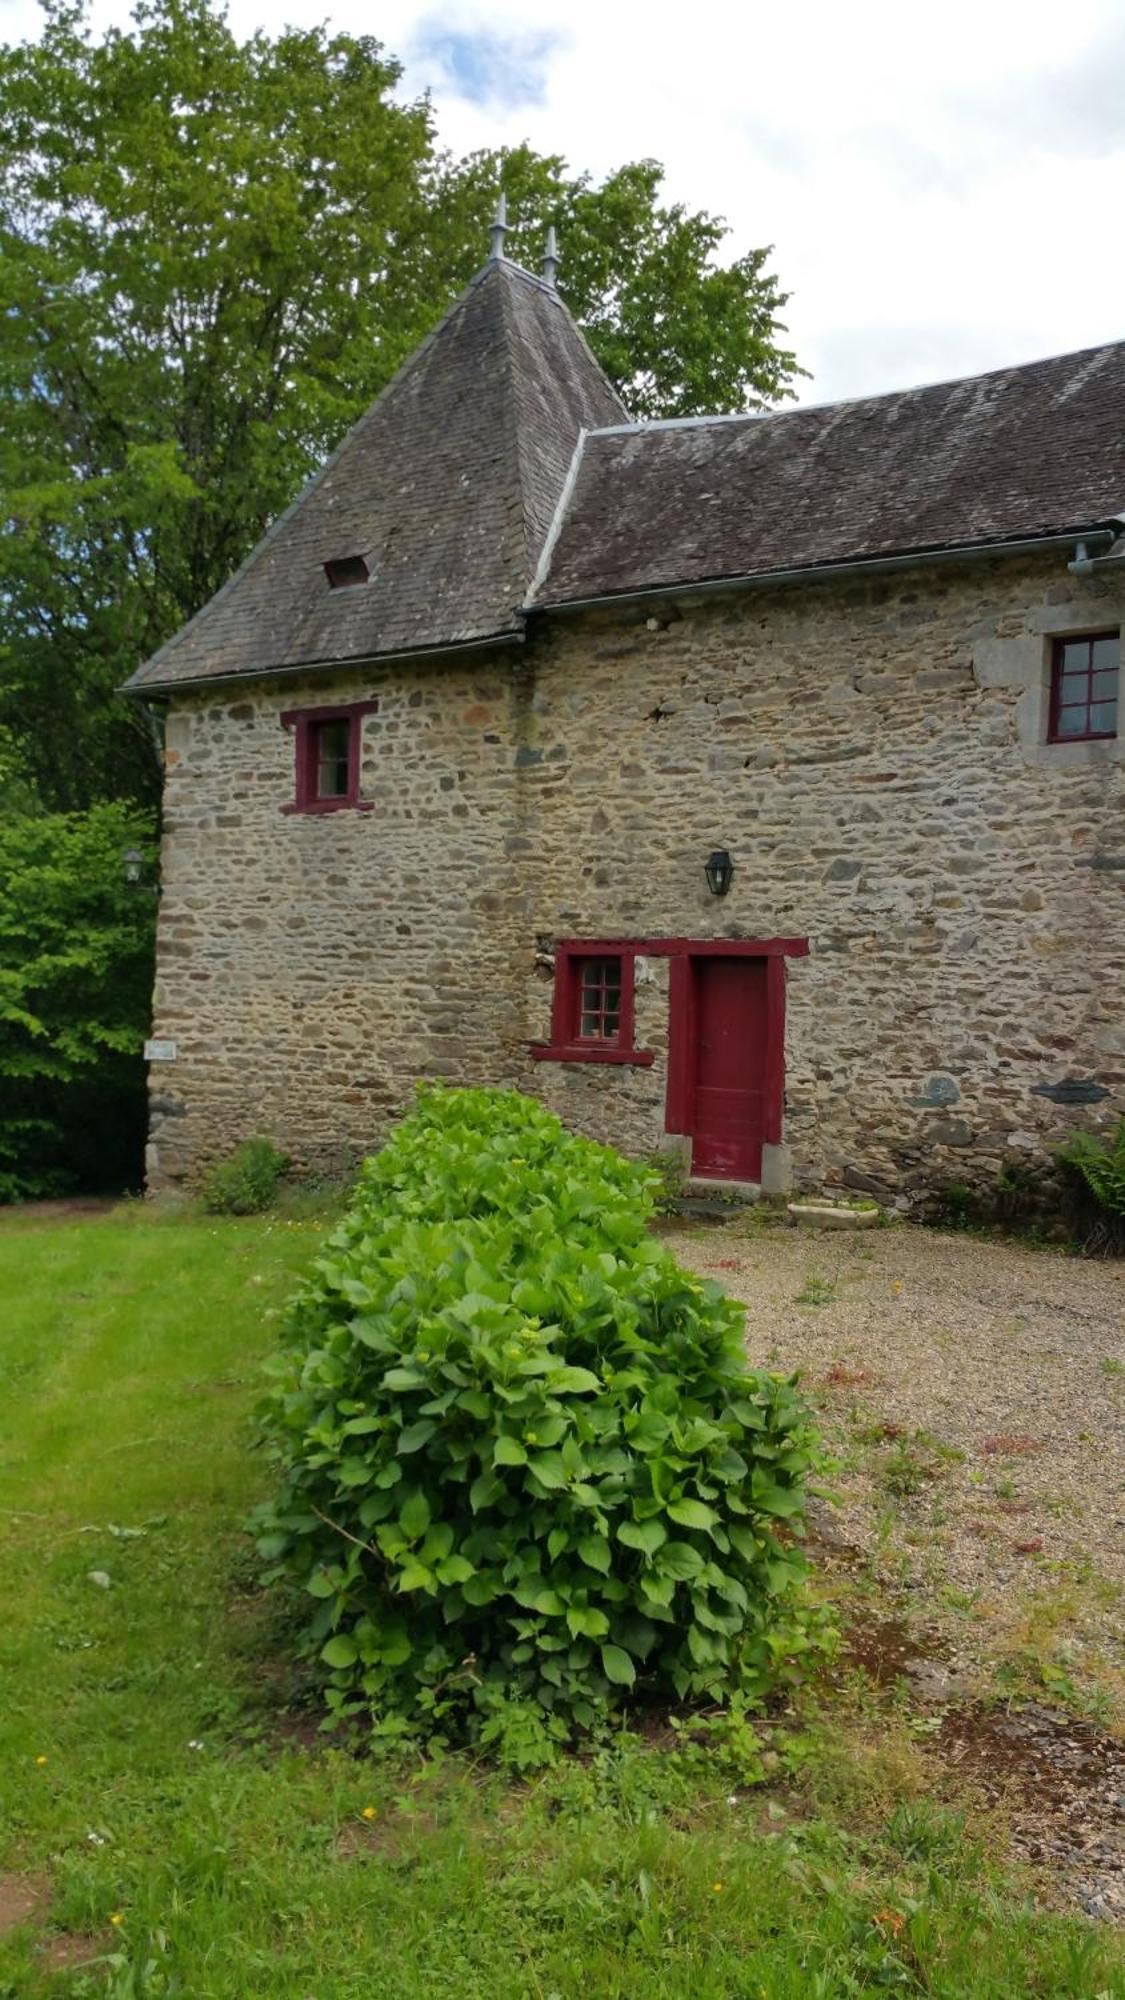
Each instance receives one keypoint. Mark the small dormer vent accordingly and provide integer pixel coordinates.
(345, 571)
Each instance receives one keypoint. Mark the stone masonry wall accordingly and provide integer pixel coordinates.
(872, 754)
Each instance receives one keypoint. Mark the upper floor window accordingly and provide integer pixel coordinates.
(1084, 684)
(327, 756)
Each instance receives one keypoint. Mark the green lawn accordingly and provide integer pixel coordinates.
(181, 1823)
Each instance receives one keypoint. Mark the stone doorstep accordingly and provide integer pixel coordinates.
(738, 1191)
(822, 1215)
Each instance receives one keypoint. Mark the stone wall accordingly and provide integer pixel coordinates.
(872, 754)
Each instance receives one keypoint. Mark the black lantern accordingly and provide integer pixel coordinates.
(719, 870)
(132, 865)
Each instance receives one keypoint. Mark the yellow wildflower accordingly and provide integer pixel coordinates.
(369, 1812)
(117, 1917)
(41, 1760)
(716, 1888)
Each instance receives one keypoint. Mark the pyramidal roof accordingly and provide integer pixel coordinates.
(446, 488)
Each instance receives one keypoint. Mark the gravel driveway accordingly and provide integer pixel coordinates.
(975, 1395)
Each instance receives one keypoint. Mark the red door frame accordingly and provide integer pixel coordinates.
(683, 1027)
(681, 1012)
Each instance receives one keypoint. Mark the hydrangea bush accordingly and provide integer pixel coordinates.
(525, 1469)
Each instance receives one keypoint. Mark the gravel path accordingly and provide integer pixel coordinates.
(975, 1395)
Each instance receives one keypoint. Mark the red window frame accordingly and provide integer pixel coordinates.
(306, 724)
(1059, 659)
(568, 1043)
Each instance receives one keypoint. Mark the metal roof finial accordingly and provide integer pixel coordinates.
(500, 227)
(551, 258)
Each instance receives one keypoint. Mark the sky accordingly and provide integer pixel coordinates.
(941, 185)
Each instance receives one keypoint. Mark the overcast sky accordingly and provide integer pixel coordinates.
(942, 185)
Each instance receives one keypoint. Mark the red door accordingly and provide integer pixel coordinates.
(727, 1101)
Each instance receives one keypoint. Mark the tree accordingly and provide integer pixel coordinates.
(212, 256)
(75, 977)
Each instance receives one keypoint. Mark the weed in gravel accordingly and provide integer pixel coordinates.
(816, 1292)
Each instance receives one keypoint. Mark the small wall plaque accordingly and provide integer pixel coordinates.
(160, 1051)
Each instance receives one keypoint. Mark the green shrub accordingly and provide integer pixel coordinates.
(75, 998)
(1095, 1168)
(526, 1469)
(247, 1182)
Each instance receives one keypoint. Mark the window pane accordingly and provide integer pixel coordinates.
(1103, 717)
(1072, 721)
(332, 740)
(1105, 686)
(1074, 656)
(1107, 651)
(1074, 687)
(611, 1026)
(591, 1024)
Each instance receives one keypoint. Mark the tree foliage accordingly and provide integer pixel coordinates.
(526, 1467)
(75, 953)
(213, 254)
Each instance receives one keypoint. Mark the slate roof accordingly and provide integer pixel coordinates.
(498, 473)
(447, 486)
(1022, 452)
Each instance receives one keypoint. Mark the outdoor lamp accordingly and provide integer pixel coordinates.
(719, 870)
(132, 863)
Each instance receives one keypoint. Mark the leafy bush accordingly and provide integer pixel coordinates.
(525, 1466)
(1096, 1169)
(247, 1182)
(75, 991)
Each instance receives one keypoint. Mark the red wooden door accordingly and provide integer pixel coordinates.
(727, 1103)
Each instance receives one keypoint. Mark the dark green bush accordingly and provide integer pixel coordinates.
(75, 997)
(525, 1466)
(247, 1182)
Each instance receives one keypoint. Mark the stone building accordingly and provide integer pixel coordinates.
(749, 785)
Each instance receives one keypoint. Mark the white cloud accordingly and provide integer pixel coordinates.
(938, 185)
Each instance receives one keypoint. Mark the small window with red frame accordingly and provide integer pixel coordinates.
(327, 755)
(593, 1008)
(598, 996)
(1084, 688)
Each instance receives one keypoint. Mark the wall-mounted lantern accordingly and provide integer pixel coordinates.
(719, 870)
(132, 867)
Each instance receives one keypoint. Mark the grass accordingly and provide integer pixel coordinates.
(149, 1778)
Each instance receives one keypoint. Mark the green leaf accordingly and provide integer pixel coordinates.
(508, 1451)
(414, 1517)
(680, 1560)
(618, 1667)
(586, 1621)
(415, 1436)
(645, 1535)
(340, 1651)
(692, 1514)
(573, 1381)
(548, 1468)
(594, 1552)
(404, 1378)
(454, 1569)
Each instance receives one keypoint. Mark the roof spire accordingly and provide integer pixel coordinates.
(499, 228)
(551, 258)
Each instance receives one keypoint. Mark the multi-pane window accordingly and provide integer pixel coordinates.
(599, 999)
(593, 1008)
(1084, 686)
(332, 745)
(328, 758)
